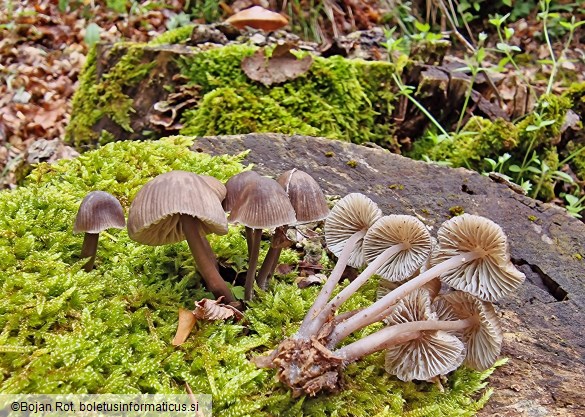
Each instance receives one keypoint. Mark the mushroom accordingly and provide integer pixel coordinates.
(98, 211)
(395, 246)
(345, 228)
(216, 185)
(431, 353)
(258, 18)
(309, 205)
(420, 341)
(234, 187)
(475, 259)
(180, 205)
(484, 338)
(419, 345)
(262, 204)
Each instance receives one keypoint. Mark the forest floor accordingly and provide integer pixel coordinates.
(43, 45)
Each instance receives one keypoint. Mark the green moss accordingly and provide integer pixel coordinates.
(532, 218)
(106, 97)
(352, 163)
(67, 331)
(173, 36)
(456, 211)
(479, 139)
(226, 111)
(338, 98)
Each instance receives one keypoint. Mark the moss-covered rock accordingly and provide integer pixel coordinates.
(67, 331)
(338, 98)
(479, 139)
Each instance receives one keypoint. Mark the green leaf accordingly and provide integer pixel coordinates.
(92, 34)
(422, 27)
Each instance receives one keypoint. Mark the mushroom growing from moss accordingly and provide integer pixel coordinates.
(345, 228)
(180, 205)
(262, 204)
(258, 17)
(310, 362)
(309, 204)
(98, 211)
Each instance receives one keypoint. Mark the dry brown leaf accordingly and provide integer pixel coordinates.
(186, 322)
(315, 279)
(207, 309)
(280, 67)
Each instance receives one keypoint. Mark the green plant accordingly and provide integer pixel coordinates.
(575, 205)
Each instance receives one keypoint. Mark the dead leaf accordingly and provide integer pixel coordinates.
(207, 309)
(315, 279)
(280, 67)
(186, 322)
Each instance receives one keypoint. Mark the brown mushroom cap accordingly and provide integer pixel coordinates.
(489, 277)
(258, 18)
(393, 230)
(154, 216)
(484, 340)
(352, 213)
(99, 211)
(216, 185)
(263, 204)
(305, 196)
(234, 187)
(433, 353)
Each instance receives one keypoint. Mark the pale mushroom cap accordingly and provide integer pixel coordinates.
(434, 353)
(392, 230)
(263, 204)
(216, 185)
(99, 211)
(484, 340)
(352, 213)
(235, 185)
(154, 216)
(490, 277)
(258, 18)
(305, 196)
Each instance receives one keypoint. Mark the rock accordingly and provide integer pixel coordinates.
(543, 321)
(44, 150)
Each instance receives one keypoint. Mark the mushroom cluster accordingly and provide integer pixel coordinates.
(180, 205)
(428, 334)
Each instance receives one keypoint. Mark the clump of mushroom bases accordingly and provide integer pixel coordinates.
(428, 335)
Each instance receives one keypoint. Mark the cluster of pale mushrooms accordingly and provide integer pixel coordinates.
(427, 334)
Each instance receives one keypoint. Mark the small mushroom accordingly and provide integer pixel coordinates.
(98, 211)
(234, 187)
(216, 185)
(395, 246)
(179, 205)
(262, 204)
(472, 256)
(309, 205)
(258, 17)
(345, 228)
(432, 353)
(484, 338)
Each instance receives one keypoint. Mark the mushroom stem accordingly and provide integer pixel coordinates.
(341, 330)
(311, 325)
(205, 259)
(268, 266)
(398, 334)
(249, 237)
(332, 306)
(375, 312)
(254, 251)
(89, 249)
